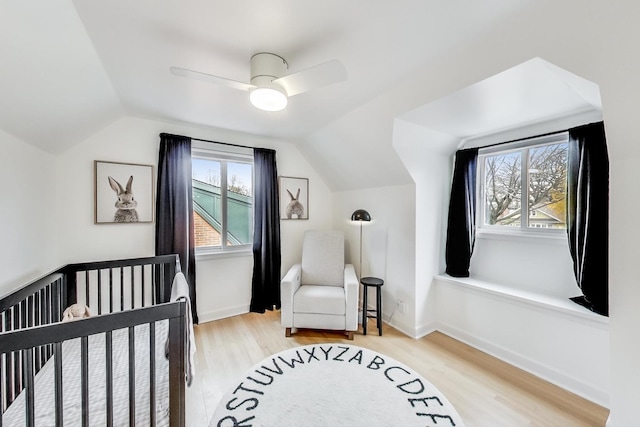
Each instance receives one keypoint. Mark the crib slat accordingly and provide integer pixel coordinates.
(48, 315)
(47, 305)
(57, 351)
(109, 379)
(8, 378)
(51, 292)
(36, 322)
(142, 284)
(132, 286)
(29, 311)
(111, 290)
(86, 286)
(121, 288)
(43, 320)
(132, 377)
(152, 373)
(23, 313)
(27, 355)
(57, 300)
(154, 287)
(17, 366)
(99, 292)
(84, 363)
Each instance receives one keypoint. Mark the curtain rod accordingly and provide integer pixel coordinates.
(520, 139)
(536, 136)
(208, 140)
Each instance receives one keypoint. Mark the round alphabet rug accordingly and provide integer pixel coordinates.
(333, 385)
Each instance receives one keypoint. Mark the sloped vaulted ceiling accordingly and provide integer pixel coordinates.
(54, 90)
(69, 68)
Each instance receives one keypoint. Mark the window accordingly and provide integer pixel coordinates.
(222, 200)
(532, 171)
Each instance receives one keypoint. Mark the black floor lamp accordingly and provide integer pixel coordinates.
(360, 215)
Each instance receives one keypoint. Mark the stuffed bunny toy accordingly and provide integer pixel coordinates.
(126, 204)
(75, 312)
(295, 207)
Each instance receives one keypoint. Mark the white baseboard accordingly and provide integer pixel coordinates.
(210, 316)
(424, 330)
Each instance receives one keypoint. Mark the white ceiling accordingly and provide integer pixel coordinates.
(71, 67)
(530, 93)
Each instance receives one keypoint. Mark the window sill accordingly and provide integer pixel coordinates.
(204, 256)
(559, 238)
(550, 304)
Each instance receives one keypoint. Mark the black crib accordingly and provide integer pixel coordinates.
(123, 295)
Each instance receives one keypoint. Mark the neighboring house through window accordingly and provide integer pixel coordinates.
(222, 198)
(527, 176)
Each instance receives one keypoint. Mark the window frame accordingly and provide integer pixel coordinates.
(524, 230)
(225, 154)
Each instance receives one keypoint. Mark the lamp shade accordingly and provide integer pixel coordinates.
(360, 215)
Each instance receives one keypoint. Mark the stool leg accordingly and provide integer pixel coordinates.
(379, 310)
(364, 311)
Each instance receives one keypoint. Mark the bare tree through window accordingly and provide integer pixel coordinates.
(543, 185)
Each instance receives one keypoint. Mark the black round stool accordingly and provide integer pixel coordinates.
(377, 284)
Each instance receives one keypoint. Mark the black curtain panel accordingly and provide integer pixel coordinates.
(461, 225)
(265, 286)
(588, 214)
(174, 208)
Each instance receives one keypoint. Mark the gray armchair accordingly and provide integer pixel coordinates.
(322, 291)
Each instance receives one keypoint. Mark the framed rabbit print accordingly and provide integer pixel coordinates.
(123, 192)
(294, 197)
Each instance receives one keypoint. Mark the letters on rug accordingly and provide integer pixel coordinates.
(333, 385)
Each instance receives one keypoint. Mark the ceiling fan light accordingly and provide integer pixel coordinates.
(268, 99)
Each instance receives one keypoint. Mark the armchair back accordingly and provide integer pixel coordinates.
(323, 258)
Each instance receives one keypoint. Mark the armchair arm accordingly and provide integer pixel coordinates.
(351, 288)
(288, 287)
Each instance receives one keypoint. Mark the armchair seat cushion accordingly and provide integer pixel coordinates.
(319, 299)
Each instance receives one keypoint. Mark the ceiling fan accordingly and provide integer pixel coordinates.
(269, 85)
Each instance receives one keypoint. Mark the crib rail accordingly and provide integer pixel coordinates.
(105, 286)
(118, 285)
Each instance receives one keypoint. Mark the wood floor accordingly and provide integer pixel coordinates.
(484, 390)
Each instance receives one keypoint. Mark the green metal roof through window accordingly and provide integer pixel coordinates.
(207, 202)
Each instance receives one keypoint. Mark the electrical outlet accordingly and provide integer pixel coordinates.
(402, 306)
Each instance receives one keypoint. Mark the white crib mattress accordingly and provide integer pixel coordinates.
(44, 382)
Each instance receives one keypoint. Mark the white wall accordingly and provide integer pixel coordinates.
(27, 219)
(223, 283)
(425, 154)
(540, 265)
(388, 245)
(126, 140)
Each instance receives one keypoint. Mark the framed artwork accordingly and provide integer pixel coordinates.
(123, 192)
(294, 197)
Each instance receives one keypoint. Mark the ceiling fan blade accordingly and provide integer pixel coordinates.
(313, 78)
(209, 78)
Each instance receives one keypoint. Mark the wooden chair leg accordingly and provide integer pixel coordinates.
(287, 332)
(350, 335)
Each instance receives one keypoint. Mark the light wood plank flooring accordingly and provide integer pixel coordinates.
(484, 390)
